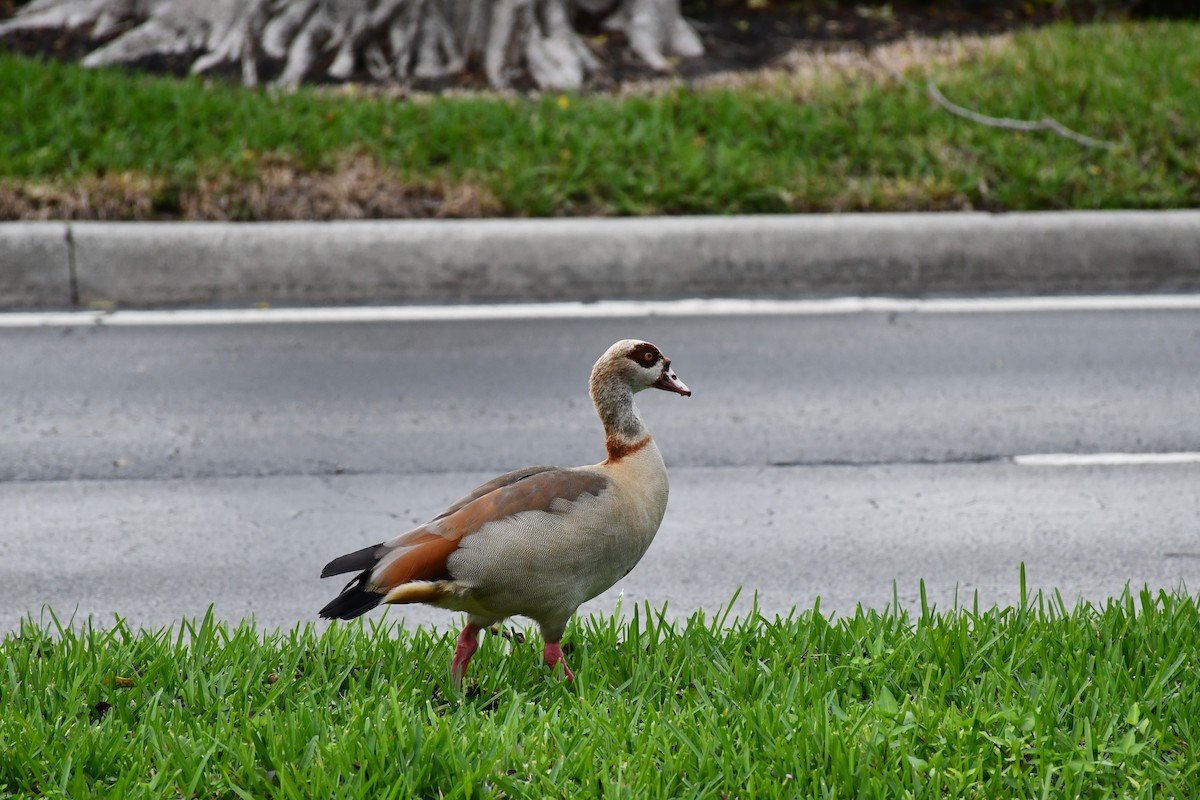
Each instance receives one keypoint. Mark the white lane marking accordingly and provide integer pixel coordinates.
(602, 310)
(1105, 459)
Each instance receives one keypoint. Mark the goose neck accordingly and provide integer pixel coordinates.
(614, 404)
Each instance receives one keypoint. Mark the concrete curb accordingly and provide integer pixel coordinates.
(58, 264)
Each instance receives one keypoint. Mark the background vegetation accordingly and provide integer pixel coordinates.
(861, 134)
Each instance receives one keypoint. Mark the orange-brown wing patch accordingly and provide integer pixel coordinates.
(494, 484)
(535, 492)
(421, 557)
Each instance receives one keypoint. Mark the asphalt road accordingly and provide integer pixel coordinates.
(152, 471)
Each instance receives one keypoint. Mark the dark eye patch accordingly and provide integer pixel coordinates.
(645, 354)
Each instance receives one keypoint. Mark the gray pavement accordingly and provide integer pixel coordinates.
(65, 264)
(154, 551)
(417, 397)
(153, 471)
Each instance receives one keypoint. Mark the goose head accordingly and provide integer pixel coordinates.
(635, 365)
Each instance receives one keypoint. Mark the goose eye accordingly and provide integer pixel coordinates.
(644, 354)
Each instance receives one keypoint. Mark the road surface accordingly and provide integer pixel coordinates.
(153, 471)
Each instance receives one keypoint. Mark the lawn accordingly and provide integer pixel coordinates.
(861, 134)
(1038, 700)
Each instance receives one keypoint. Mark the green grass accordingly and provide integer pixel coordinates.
(854, 143)
(1038, 700)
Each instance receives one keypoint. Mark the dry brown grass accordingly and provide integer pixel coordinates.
(925, 193)
(356, 189)
(112, 197)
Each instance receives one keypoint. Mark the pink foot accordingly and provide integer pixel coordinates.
(554, 657)
(468, 643)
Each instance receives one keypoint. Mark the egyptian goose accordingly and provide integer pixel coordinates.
(538, 541)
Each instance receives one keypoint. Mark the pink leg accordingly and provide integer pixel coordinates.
(554, 657)
(468, 643)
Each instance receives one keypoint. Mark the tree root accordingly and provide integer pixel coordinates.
(388, 40)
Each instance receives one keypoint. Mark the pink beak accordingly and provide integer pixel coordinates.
(670, 382)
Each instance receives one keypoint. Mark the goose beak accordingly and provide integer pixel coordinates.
(670, 382)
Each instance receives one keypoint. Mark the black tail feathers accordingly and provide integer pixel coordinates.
(353, 562)
(354, 601)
